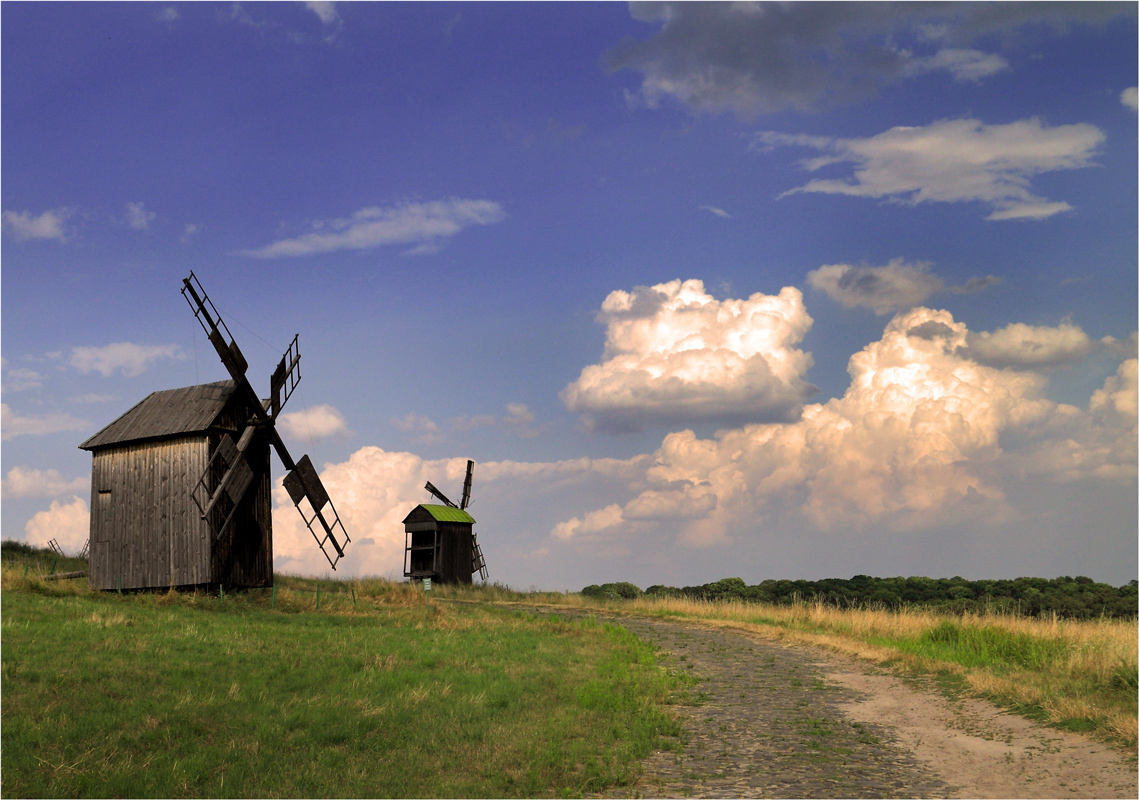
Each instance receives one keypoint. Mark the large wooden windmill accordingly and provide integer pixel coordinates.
(180, 484)
(440, 539)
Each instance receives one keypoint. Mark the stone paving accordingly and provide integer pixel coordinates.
(765, 723)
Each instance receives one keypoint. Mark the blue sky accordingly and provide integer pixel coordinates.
(768, 291)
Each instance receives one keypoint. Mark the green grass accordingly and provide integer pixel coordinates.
(986, 646)
(381, 695)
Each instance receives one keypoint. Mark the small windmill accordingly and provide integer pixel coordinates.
(441, 541)
(229, 461)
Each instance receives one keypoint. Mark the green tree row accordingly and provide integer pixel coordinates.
(1073, 598)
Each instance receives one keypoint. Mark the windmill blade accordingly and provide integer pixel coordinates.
(284, 379)
(216, 331)
(478, 563)
(303, 483)
(442, 497)
(466, 501)
(236, 477)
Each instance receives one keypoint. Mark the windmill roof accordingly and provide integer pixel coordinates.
(448, 514)
(173, 412)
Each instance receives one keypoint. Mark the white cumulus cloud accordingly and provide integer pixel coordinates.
(426, 225)
(125, 358)
(923, 436)
(22, 226)
(68, 523)
(318, 422)
(887, 289)
(675, 353)
(961, 160)
(22, 482)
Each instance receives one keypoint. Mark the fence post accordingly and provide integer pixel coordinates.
(221, 591)
(273, 597)
(53, 563)
(318, 598)
(120, 586)
(353, 587)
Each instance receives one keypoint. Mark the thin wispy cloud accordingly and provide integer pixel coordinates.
(24, 482)
(719, 212)
(425, 225)
(21, 379)
(325, 10)
(950, 161)
(138, 217)
(15, 424)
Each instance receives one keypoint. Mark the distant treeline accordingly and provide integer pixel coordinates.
(1074, 598)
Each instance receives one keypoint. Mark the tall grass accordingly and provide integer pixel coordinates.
(382, 692)
(1079, 675)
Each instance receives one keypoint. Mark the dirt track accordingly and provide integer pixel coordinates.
(785, 721)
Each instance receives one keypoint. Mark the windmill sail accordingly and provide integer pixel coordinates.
(302, 482)
(284, 379)
(466, 501)
(478, 563)
(438, 494)
(229, 461)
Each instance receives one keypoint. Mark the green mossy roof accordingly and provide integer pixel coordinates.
(448, 514)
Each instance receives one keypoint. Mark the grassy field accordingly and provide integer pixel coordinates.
(377, 693)
(1076, 675)
(370, 688)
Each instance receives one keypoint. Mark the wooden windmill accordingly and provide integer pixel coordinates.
(440, 539)
(180, 488)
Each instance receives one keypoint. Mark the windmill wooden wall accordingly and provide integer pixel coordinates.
(146, 530)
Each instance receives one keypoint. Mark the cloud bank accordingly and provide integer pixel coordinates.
(756, 58)
(68, 523)
(673, 352)
(923, 436)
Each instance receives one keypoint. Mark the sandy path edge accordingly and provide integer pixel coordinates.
(979, 749)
